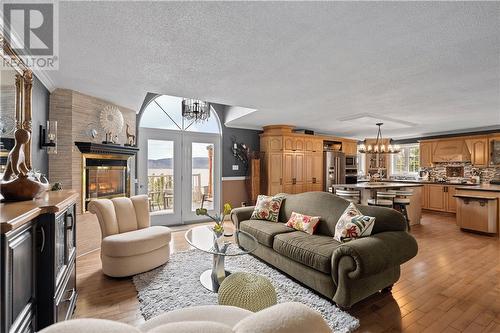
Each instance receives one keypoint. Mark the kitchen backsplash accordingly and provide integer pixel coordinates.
(486, 174)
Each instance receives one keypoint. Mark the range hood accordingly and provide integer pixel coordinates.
(451, 151)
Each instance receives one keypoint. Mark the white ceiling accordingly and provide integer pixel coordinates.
(309, 64)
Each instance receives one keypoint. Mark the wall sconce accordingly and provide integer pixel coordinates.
(49, 134)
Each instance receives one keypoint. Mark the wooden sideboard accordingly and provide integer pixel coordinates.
(38, 256)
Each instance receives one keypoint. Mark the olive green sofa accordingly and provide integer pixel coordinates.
(343, 272)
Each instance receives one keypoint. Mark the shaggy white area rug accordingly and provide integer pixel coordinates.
(176, 285)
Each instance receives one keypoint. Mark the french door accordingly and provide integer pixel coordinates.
(178, 170)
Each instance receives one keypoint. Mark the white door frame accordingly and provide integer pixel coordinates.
(189, 216)
(182, 161)
(142, 157)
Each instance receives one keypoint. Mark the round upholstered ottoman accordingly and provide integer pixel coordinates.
(247, 291)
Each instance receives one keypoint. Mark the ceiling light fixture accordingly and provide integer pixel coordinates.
(194, 109)
(379, 147)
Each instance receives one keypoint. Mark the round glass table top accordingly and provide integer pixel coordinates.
(204, 239)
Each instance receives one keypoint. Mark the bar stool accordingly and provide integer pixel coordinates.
(401, 201)
(350, 195)
(383, 199)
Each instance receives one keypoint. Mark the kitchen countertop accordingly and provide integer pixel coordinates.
(15, 214)
(482, 187)
(375, 185)
(414, 181)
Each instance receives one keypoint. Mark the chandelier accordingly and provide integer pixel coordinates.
(379, 147)
(193, 109)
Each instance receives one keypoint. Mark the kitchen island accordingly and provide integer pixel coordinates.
(477, 208)
(368, 190)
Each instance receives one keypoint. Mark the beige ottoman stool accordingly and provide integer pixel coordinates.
(247, 291)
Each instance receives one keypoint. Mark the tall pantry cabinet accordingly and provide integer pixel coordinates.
(292, 163)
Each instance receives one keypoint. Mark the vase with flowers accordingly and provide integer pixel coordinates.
(218, 228)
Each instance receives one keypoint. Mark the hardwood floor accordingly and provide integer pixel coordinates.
(453, 285)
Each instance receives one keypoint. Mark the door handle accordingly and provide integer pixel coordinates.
(43, 239)
(281, 181)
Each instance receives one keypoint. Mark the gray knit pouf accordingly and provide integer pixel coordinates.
(248, 291)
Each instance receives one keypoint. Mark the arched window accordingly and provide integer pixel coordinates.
(164, 112)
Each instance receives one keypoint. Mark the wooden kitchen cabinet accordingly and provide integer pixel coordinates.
(313, 145)
(478, 148)
(274, 162)
(350, 147)
(426, 154)
(451, 201)
(437, 200)
(313, 171)
(425, 197)
(440, 198)
(294, 144)
(293, 172)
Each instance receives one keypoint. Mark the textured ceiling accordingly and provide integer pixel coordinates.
(433, 64)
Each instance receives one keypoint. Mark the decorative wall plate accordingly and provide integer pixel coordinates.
(111, 120)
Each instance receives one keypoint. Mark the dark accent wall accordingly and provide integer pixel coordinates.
(249, 137)
(40, 114)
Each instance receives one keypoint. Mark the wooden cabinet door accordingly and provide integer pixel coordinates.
(317, 145)
(298, 144)
(288, 168)
(317, 166)
(425, 154)
(308, 167)
(437, 199)
(288, 143)
(425, 196)
(275, 174)
(308, 144)
(451, 200)
(478, 148)
(276, 143)
(299, 172)
(349, 148)
(18, 297)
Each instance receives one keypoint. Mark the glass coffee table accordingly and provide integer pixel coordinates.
(204, 239)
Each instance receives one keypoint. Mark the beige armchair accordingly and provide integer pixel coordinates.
(281, 318)
(130, 245)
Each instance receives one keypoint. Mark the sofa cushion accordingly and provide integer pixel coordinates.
(264, 231)
(267, 208)
(314, 251)
(135, 242)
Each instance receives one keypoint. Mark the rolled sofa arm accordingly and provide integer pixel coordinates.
(371, 255)
(241, 214)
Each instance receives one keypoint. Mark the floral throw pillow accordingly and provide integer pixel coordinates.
(302, 222)
(352, 224)
(267, 208)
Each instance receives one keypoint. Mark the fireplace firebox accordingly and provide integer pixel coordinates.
(105, 177)
(105, 171)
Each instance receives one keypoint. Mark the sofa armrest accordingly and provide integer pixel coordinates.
(241, 214)
(371, 255)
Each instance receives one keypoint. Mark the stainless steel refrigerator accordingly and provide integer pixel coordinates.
(334, 169)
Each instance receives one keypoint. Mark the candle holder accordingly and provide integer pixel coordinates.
(48, 137)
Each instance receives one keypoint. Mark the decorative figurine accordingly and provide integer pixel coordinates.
(18, 183)
(130, 137)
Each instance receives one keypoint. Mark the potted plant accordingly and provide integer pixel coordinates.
(218, 228)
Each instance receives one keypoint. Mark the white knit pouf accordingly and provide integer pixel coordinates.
(247, 291)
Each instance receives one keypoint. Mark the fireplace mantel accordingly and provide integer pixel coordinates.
(99, 148)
